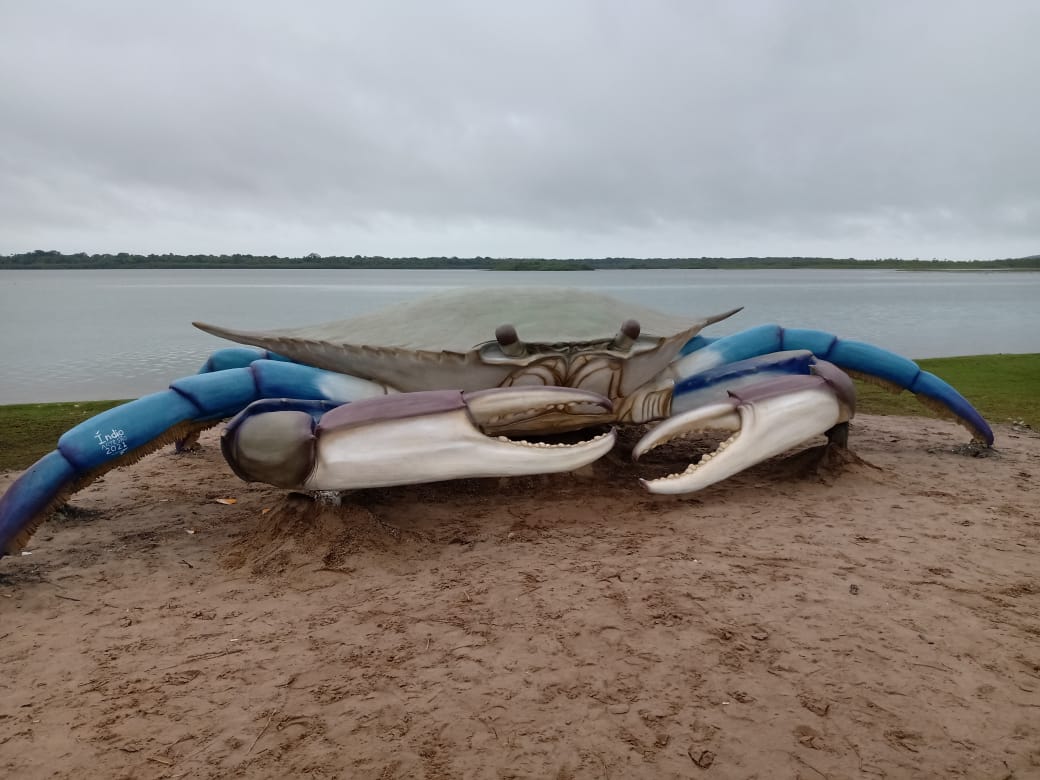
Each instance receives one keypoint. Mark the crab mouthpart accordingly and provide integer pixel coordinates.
(766, 419)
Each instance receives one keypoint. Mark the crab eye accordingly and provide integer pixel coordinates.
(509, 341)
(626, 337)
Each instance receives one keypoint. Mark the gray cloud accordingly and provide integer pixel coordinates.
(553, 129)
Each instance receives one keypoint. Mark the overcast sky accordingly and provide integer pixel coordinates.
(552, 129)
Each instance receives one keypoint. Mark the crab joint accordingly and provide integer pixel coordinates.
(509, 341)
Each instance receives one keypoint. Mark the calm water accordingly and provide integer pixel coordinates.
(79, 335)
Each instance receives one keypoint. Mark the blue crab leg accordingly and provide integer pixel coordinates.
(237, 357)
(122, 435)
(769, 416)
(713, 385)
(412, 438)
(859, 359)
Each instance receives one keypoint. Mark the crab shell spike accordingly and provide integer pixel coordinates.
(627, 335)
(509, 341)
(446, 351)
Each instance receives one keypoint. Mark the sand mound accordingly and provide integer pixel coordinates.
(300, 532)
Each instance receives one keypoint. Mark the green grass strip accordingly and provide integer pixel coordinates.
(1004, 388)
(30, 431)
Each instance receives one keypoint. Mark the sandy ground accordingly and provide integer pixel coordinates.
(884, 622)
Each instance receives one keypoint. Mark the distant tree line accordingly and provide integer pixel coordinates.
(44, 259)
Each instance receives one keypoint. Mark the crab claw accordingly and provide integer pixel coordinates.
(767, 419)
(414, 437)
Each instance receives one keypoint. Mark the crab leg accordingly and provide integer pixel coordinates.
(861, 360)
(126, 433)
(767, 418)
(714, 385)
(412, 438)
(237, 357)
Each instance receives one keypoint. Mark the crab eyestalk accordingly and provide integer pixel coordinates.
(766, 419)
(509, 341)
(416, 437)
(627, 335)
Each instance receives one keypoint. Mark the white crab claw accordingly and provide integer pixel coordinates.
(767, 419)
(413, 438)
(453, 438)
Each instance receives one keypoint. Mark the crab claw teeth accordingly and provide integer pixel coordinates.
(721, 416)
(768, 419)
(536, 409)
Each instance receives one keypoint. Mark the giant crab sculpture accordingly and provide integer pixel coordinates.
(445, 388)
